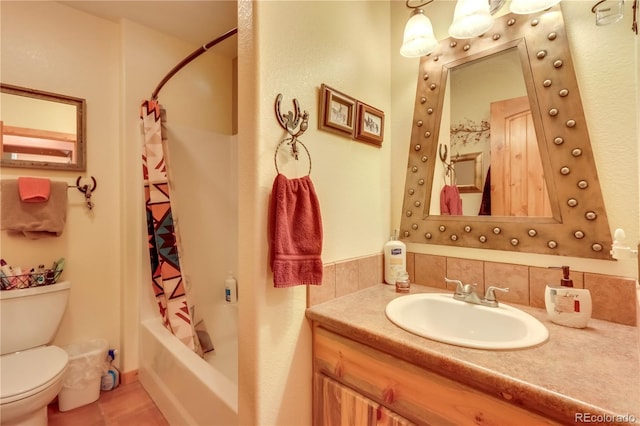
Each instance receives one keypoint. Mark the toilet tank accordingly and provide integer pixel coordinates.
(30, 317)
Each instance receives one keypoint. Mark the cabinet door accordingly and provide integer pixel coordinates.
(336, 404)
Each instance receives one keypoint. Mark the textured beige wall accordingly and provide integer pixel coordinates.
(292, 48)
(45, 47)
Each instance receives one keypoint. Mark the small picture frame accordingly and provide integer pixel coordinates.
(369, 124)
(337, 111)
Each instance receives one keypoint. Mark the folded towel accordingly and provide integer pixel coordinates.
(34, 190)
(33, 220)
(295, 233)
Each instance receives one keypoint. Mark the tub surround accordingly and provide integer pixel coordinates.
(571, 373)
(187, 389)
(614, 298)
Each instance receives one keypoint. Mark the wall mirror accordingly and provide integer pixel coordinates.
(42, 130)
(468, 172)
(569, 217)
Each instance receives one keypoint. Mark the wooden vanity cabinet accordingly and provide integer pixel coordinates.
(355, 384)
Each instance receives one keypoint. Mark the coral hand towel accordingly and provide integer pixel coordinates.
(295, 233)
(34, 190)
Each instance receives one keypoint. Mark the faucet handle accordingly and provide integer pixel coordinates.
(490, 295)
(469, 288)
(458, 284)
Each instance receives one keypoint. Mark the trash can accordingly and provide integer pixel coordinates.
(81, 383)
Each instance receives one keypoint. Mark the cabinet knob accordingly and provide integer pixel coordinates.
(389, 396)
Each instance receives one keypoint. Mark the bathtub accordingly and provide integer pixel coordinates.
(187, 389)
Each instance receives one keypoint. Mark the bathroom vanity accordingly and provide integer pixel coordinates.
(366, 370)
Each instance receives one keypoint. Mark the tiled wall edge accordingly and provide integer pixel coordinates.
(613, 297)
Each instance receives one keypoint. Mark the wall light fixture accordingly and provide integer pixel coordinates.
(419, 39)
(471, 18)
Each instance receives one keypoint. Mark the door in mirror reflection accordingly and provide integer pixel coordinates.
(517, 181)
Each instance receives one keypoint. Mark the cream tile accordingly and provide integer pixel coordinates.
(327, 291)
(466, 270)
(346, 277)
(430, 270)
(505, 275)
(370, 271)
(411, 267)
(613, 298)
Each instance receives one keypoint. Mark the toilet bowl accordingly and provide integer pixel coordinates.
(31, 373)
(29, 381)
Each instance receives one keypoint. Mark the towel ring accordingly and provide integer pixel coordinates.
(293, 142)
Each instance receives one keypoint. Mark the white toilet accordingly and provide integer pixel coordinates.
(31, 372)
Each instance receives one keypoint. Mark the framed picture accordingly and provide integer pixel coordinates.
(369, 124)
(337, 111)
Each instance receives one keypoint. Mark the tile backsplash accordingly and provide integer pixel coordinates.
(614, 298)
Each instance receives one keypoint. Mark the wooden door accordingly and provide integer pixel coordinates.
(517, 180)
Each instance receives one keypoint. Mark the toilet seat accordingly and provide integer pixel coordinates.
(26, 373)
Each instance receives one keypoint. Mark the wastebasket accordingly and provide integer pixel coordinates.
(81, 384)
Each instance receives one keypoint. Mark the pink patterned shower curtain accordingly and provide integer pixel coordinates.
(167, 281)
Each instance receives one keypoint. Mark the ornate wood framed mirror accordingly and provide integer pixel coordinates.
(42, 130)
(574, 220)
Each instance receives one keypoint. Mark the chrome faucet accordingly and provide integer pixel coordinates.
(467, 293)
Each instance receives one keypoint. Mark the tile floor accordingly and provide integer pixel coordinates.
(127, 405)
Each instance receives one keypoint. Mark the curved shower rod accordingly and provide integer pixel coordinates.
(190, 58)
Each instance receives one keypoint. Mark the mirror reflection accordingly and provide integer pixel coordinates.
(41, 130)
(468, 171)
(494, 157)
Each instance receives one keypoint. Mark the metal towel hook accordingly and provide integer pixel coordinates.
(293, 122)
(87, 190)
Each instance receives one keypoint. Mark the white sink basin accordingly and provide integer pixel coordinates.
(438, 316)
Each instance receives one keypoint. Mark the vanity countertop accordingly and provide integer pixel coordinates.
(591, 374)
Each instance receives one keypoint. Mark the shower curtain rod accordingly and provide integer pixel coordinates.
(190, 58)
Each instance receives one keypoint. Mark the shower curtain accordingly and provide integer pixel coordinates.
(167, 281)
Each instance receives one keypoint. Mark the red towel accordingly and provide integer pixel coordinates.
(295, 233)
(34, 190)
(450, 201)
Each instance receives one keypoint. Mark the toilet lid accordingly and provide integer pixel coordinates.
(24, 371)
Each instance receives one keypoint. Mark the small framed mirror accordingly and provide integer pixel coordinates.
(468, 172)
(42, 130)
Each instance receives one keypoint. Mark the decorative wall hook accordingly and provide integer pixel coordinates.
(87, 190)
(293, 122)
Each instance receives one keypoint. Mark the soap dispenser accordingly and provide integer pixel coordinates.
(567, 305)
(395, 258)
